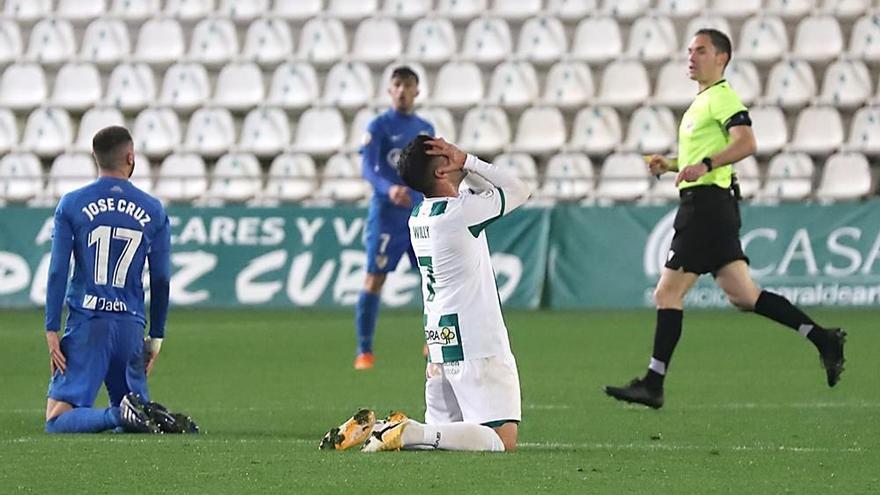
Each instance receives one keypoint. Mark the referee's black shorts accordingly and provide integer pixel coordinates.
(706, 231)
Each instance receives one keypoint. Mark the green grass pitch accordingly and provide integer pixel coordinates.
(747, 410)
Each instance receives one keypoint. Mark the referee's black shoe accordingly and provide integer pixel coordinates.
(637, 392)
(831, 355)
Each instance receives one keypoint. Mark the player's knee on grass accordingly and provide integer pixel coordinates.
(55, 408)
(374, 282)
(508, 433)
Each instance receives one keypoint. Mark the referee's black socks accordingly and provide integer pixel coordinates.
(666, 337)
(781, 310)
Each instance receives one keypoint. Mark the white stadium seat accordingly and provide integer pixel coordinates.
(77, 86)
(294, 86)
(461, 10)
(157, 132)
(441, 119)
(23, 86)
(214, 42)
(709, 21)
(25, 11)
(845, 9)
(651, 130)
(268, 42)
(542, 40)
(768, 124)
(80, 12)
(131, 87)
(160, 42)
(487, 40)
(597, 40)
(679, 9)
(297, 10)
(105, 42)
(341, 179)
(211, 132)
(569, 85)
(571, 10)
(142, 176)
(484, 130)
(381, 98)
(239, 86)
(818, 131)
(135, 10)
(568, 177)
(624, 84)
(625, 9)
(789, 177)
(349, 85)
(652, 39)
(243, 11)
(52, 42)
(516, 10)
(236, 177)
(749, 176)
(674, 88)
(189, 10)
(791, 84)
(292, 177)
(431, 40)
(523, 164)
(265, 132)
(182, 177)
(352, 10)
(864, 133)
(818, 39)
(458, 85)
(322, 41)
(70, 171)
(596, 130)
(407, 10)
(623, 177)
(185, 86)
(514, 85)
(93, 121)
(744, 79)
(864, 41)
(735, 10)
(8, 130)
(847, 84)
(662, 190)
(541, 130)
(11, 44)
(763, 39)
(790, 10)
(358, 128)
(21, 177)
(377, 40)
(845, 176)
(48, 131)
(320, 131)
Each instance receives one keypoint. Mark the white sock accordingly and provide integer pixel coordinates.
(452, 436)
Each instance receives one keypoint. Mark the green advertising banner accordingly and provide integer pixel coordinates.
(275, 257)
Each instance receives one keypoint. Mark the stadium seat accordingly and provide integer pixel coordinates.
(744, 79)
(80, 12)
(431, 40)
(441, 119)
(135, 10)
(322, 41)
(542, 40)
(297, 10)
(8, 130)
(21, 177)
(93, 121)
(735, 10)
(349, 85)
(487, 40)
(52, 42)
(514, 85)
(26, 11)
(236, 178)
(674, 88)
(292, 177)
(818, 39)
(157, 132)
(268, 42)
(652, 39)
(596, 131)
(790, 10)
(484, 131)
(768, 124)
(864, 133)
(818, 131)
(243, 11)
(844, 176)
(11, 45)
(624, 84)
(23, 86)
(214, 42)
(523, 164)
(341, 179)
(540, 131)
(185, 87)
(680, 9)
(182, 177)
(571, 10)
(597, 40)
(516, 10)
(381, 98)
(569, 85)
(105, 42)
(661, 191)
(791, 84)
(406, 10)
(189, 10)
(70, 171)
(749, 176)
(160, 42)
(48, 131)
(568, 177)
(789, 178)
(377, 41)
(77, 86)
(352, 11)
(623, 177)
(651, 130)
(294, 86)
(846, 84)
(131, 87)
(712, 21)
(864, 41)
(458, 85)
(320, 131)
(239, 86)
(626, 10)
(358, 129)
(142, 175)
(845, 10)
(265, 132)
(763, 39)
(460, 10)
(210, 133)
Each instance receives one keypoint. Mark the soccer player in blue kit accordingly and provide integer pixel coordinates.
(386, 235)
(112, 228)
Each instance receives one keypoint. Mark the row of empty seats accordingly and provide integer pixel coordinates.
(431, 40)
(237, 177)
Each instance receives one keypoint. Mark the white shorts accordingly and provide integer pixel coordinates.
(479, 391)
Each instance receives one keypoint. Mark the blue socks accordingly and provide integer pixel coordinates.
(366, 313)
(85, 420)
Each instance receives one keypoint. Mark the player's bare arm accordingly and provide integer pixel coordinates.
(57, 361)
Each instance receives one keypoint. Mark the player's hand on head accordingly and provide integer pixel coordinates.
(399, 195)
(455, 157)
(57, 361)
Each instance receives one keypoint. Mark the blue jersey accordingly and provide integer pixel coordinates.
(386, 137)
(112, 228)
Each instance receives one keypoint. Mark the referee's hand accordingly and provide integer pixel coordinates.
(691, 173)
(658, 165)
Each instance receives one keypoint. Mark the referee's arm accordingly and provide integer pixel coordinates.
(742, 144)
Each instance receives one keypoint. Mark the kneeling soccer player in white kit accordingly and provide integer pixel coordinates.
(472, 393)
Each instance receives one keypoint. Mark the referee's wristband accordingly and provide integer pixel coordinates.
(708, 163)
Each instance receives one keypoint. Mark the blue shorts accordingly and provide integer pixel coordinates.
(386, 238)
(101, 350)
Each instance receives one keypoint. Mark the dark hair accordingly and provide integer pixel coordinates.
(107, 143)
(720, 41)
(404, 72)
(415, 167)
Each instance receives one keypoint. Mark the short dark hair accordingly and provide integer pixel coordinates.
(415, 165)
(404, 72)
(106, 145)
(720, 41)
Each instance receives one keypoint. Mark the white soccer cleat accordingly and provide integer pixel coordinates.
(351, 433)
(387, 435)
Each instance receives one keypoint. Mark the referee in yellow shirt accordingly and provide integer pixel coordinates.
(715, 133)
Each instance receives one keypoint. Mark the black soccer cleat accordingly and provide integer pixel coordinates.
(134, 416)
(831, 355)
(168, 421)
(637, 392)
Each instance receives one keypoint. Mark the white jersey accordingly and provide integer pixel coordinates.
(462, 308)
